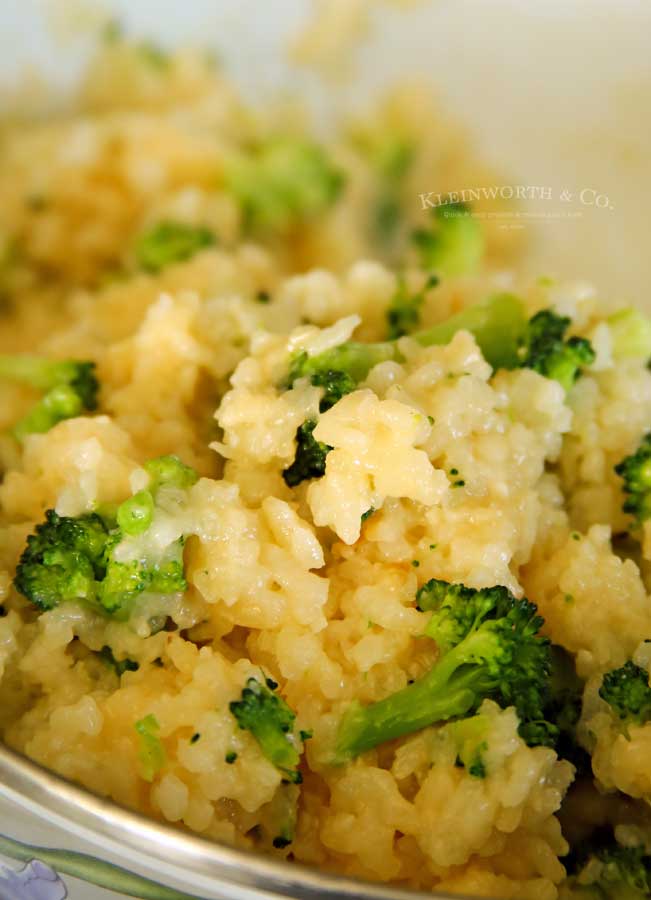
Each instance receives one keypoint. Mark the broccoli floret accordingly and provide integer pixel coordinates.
(635, 470)
(545, 349)
(282, 183)
(610, 869)
(335, 382)
(489, 648)
(561, 713)
(403, 314)
(152, 754)
(454, 244)
(626, 690)
(631, 334)
(310, 459)
(270, 720)
(104, 560)
(70, 388)
(63, 560)
(123, 582)
(171, 242)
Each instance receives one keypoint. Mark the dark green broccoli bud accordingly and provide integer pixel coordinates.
(270, 721)
(280, 842)
(171, 242)
(282, 183)
(63, 560)
(77, 558)
(123, 582)
(152, 754)
(635, 470)
(631, 334)
(119, 666)
(498, 325)
(490, 648)
(626, 690)
(310, 459)
(403, 314)
(70, 389)
(335, 383)
(561, 714)
(69, 559)
(610, 869)
(454, 244)
(545, 350)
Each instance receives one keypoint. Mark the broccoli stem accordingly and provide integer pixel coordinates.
(70, 388)
(61, 402)
(36, 371)
(497, 323)
(443, 693)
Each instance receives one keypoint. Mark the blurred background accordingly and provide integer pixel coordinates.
(555, 95)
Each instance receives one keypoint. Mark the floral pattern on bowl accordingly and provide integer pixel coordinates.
(35, 881)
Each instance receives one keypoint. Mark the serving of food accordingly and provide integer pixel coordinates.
(322, 534)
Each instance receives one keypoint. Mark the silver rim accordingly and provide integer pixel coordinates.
(167, 850)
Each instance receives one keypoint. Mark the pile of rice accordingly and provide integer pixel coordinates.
(292, 581)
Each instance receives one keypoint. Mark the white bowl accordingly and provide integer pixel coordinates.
(558, 96)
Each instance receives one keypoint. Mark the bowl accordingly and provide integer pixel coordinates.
(557, 95)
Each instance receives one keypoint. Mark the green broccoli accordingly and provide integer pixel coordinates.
(335, 383)
(104, 560)
(631, 334)
(545, 350)
(470, 738)
(171, 242)
(282, 183)
(310, 459)
(270, 720)
(391, 157)
(635, 470)
(403, 314)
(153, 55)
(562, 712)
(626, 690)
(63, 560)
(489, 648)
(69, 389)
(123, 581)
(609, 869)
(152, 754)
(497, 323)
(454, 244)
(170, 471)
